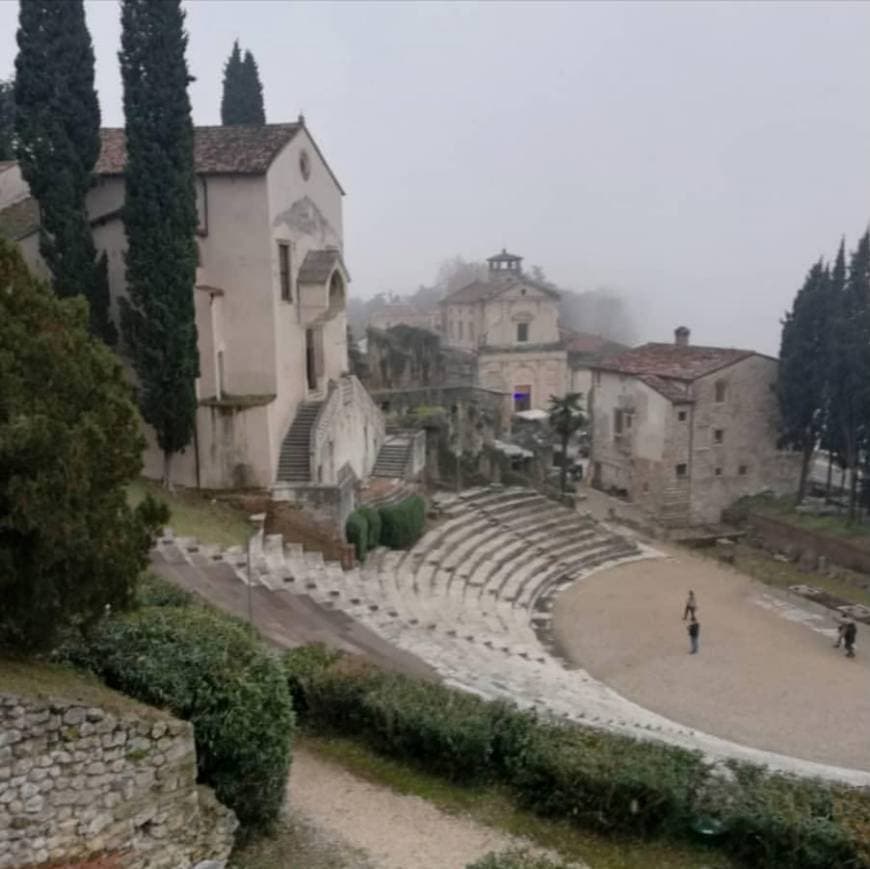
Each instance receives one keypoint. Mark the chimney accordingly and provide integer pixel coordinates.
(681, 336)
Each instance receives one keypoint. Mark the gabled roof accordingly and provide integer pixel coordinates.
(318, 265)
(480, 291)
(20, 219)
(674, 362)
(236, 150)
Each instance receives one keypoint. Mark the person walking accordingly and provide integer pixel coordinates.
(694, 633)
(841, 629)
(849, 635)
(691, 606)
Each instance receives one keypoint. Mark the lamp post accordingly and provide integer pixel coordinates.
(257, 521)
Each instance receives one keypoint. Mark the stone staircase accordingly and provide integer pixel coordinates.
(473, 600)
(393, 458)
(294, 462)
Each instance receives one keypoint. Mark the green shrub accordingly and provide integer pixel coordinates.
(300, 665)
(402, 523)
(356, 530)
(208, 669)
(514, 860)
(151, 590)
(587, 776)
(373, 518)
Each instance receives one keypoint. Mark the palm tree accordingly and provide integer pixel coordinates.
(566, 418)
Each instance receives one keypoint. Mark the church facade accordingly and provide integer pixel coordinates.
(511, 323)
(270, 297)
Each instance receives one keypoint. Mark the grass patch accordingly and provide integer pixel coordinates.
(36, 678)
(783, 508)
(759, 565)
(192, 515)
(493, 807)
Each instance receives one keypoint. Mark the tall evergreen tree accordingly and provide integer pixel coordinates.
(158, 319)
(242, 100)
(7, 120)
(802, 380)
(850, 382)
(57, 127)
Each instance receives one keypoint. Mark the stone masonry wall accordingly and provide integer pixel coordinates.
(78, 781)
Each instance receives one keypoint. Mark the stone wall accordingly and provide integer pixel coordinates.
(78, 781)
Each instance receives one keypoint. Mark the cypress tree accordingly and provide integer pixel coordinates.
(7, 120)
(57, 128)
(253, 91)
(802, 380)
(242, 100)
(158, 319)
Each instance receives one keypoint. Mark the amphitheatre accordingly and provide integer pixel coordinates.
(512, 596)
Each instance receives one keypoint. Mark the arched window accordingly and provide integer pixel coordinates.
(336, 292)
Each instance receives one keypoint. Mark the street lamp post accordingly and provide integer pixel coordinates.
(257, 521)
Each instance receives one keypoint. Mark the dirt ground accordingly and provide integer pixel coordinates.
(759, 679)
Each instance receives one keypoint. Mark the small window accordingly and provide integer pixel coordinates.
(681, 416)
(742, 470)
(718, 472)
(522, 332)
(284, 269)
(617, 422)
(721, 389)
(471, 331)
(681, 470)
(718, 435)
(460, 330)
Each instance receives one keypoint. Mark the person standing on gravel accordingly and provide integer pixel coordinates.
(849, 635)
(694, 633)
(691, 606)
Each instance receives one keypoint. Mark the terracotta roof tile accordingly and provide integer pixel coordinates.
(216, 150)
(672, 361)
(20, 219)
(590, 345)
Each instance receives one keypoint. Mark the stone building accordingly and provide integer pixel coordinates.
(276, 402)
(684, 431)
(584, 351)
(511, 323)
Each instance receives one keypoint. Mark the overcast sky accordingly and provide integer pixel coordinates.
(695, 156)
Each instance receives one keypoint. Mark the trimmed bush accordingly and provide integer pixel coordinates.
(373, 518)
(402, 523)
(210, 670)
(356, 530)
(151, 590)
(592, 778)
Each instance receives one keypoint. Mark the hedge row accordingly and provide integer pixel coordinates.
(598, 780)
(398, 526)
(209, 669)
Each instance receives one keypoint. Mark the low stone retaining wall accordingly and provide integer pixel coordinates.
(79, 781)
(808, 546)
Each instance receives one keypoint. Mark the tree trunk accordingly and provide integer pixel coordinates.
(830, 474)
(809, 448)
(167, 470)
(564, 476)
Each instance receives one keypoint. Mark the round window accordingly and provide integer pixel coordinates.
(305, 165)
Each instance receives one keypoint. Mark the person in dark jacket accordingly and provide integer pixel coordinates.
(849, 634)
(694, 633)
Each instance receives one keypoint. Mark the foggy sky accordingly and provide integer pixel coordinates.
(695, 156)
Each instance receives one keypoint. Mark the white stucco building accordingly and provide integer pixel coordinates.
(512, 323)
(684, 431)
(276, 403)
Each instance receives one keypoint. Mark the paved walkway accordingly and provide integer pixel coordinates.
(387, 830)
(766, 675)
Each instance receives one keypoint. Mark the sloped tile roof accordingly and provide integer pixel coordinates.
(587, 344)
(480, 291)
(318, 265)
(20, 219)
(235, 150)
(672, 361)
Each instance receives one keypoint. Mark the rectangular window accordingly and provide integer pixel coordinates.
(718, 435)
(284, 270)
(742, 470)
(617, 422)
(721, 389)
(681, 416)
(522, 332)
(471, 331)
(522, 397)
(460, 330)
(681, 470)
(718, 472)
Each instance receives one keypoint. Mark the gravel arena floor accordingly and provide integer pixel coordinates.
(758, 679)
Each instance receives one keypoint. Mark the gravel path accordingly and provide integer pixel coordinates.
(386, 830)
(760, 679)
